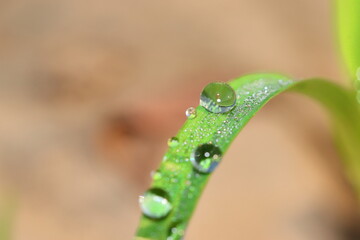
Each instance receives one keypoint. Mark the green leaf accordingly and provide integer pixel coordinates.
(176, 175)
(348, 20)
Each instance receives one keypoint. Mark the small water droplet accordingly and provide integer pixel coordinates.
(176, 232)
(283, 82)
(190, 113)
(218, 97)
(173, 142)
(155, 203)
(206, 157)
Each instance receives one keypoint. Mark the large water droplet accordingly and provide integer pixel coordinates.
(190, 113)
(218, 97)
(155, 203)
(176, 232)
(206, 157)
(173, 142)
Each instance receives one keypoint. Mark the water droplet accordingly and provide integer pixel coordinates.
(190, 113)
(218, 97)
(206, 157)
(283, 82)
(155, 203)
(176, 232)
(173, 142)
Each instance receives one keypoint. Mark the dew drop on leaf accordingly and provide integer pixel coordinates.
(176, 232)
(190, 113)
(218, 97)
(173, 142)
(206, 157)
(155, 203)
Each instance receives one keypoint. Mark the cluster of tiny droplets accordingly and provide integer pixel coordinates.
(247, 101)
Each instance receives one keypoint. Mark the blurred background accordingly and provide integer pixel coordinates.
(90, 91)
